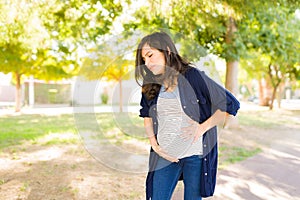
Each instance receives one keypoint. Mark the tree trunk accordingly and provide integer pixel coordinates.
(18, 92)
(273, 95)
(231, 82)
(276, 79)
(279, 94)
(121, 96)
(261, 92)
(232, 77)
(272, 99)
(232, 85)
(265, 92)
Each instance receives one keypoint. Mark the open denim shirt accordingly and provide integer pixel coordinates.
(200, 97)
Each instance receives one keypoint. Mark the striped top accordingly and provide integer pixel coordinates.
(171, 119)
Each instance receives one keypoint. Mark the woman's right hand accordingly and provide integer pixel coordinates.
(163, 154)
(148, 124)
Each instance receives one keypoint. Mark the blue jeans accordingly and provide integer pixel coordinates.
(167, 174)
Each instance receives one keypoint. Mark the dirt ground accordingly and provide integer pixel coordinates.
(63, 172)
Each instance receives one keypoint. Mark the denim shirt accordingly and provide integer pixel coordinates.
(200, 97)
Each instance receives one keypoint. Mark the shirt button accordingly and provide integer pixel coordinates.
(154, 122)
(197, 100)
(204, 145)
(154, 108)
(205, 174)
(205, 159)
(184, 107)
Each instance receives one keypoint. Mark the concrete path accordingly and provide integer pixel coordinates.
(273, 174)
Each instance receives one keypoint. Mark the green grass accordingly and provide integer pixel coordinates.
(230, 155)
(14, 130)
(63, 129)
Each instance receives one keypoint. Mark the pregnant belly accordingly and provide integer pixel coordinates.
(174, 145)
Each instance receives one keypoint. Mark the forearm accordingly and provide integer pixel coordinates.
(217, 118)
(149, 131)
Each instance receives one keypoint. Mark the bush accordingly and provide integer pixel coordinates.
(104, 98)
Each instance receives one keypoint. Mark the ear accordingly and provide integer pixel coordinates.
(169, 51)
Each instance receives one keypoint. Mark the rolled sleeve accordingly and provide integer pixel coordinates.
(221, 98)
(232, 104)
(217, 95)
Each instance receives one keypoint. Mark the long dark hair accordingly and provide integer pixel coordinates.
(175, 64)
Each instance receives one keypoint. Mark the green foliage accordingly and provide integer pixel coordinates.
(104, 98)
(46, 39)
(20, 37)
(204, 22)
(273, 43)
(274, 32)
(42, 38)
(263, 27)
(109, 60)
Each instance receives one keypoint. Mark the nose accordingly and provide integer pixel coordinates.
(147, 61)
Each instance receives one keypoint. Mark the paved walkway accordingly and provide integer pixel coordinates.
(273, 174)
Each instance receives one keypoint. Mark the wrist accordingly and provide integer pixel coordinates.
(153, 141)
(204, 127)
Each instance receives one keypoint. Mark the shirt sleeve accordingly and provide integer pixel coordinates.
(217, 95)
(144, 111)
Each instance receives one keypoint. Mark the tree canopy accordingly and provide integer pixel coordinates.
(232, 30)
(46, 38)
(51, 39)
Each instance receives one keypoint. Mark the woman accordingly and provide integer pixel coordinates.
(181, 107)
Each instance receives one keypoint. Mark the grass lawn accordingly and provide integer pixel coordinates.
(64, 129)
(15, 130)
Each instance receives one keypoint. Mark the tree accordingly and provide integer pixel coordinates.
(211, 24)
(223, 27)
(255, 67)
(22, 35)
(275, 35)
(43, 38)
(108, 61)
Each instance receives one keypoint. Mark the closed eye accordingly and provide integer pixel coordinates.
(149, 56)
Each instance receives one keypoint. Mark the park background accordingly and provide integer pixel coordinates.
(68, 94)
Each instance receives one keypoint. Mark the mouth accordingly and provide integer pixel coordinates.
(151, 67)
(155, 69)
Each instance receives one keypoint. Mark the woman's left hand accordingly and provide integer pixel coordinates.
(194, 131)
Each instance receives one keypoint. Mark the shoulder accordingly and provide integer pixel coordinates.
(193, 74)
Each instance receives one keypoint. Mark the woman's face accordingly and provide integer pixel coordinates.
(154, 59)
